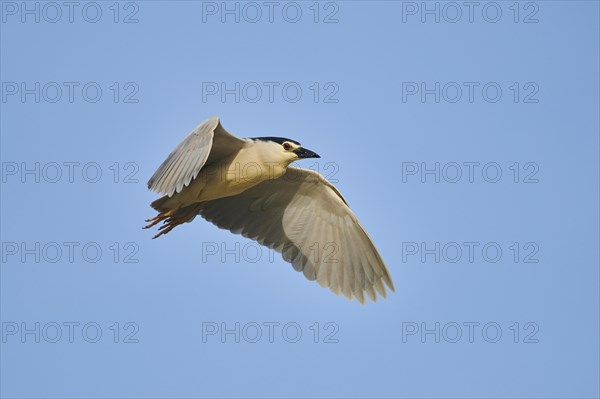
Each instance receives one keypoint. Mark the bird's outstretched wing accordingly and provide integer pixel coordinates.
(187, 159)
(304, 217)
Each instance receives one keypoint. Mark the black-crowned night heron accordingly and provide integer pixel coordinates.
(247, 187)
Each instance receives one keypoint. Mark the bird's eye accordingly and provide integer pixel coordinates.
(286, 146)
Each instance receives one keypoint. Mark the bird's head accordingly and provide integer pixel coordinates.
(282, 150)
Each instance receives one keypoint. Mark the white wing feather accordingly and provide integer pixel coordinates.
(187, 159)
(304, 217)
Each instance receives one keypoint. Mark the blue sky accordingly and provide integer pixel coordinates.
(465, 140)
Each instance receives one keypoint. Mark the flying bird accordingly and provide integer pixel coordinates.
(247, 187)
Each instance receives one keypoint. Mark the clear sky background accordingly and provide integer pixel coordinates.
(522, 322)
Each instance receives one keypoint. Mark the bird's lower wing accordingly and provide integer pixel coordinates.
(304, 217)
(187, 159)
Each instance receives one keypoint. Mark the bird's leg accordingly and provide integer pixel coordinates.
(157, 219)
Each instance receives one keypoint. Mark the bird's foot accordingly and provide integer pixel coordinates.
(169, 224)
(157, 219)
(174, 218)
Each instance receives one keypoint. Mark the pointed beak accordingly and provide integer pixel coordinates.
(304, 153)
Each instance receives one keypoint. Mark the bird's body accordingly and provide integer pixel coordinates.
(248, 187)
(231, 175)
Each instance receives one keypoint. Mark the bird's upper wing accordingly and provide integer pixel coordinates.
(304, 217)
(187, 159)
